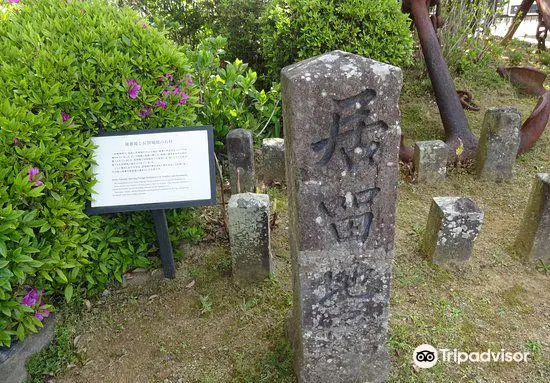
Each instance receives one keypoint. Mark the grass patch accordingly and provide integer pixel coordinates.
(59, 354)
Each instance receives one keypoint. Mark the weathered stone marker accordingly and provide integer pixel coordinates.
(341, 123)
(249, 237)
(453, 225)
(12, 360)
(273, 153)
(533, 240)
(240, 151)
(499, 143)
(430, 161)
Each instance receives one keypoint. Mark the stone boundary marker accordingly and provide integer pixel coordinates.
(430, 161)
(12, 361)
(533, 241)
(341, 123)
(452, 228)
(273, 160)
(499, 143)
(240, 152)
(249, 237)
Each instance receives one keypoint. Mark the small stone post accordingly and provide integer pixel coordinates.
(273, 153)
(533, 241)
(249, 237)
(430, 161)
(499, 143)
(241, 161)
(453, 225)
(342, 132)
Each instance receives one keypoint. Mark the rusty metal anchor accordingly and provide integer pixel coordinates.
(455, 123)
(530, 81)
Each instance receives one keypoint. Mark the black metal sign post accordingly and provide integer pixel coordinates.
(154, 170)
(165, 246)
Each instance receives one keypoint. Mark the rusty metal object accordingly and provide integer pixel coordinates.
(466, 100)
(529, 80)
(452, 114)
(544, 23)
(535, 125)
(406, 153)
(544, 11)
(518, 18)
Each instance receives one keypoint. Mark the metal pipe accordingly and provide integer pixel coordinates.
(452, 114)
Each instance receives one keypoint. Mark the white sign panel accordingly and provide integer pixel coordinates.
(153, 169)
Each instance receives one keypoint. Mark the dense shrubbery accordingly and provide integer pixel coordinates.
(190, 21)
(294, 30)
(240, 22)
(228, 96)
(187, 21)
(67, 69)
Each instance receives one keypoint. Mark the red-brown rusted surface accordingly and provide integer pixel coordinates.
(544, 11)
(529, 80)
(455, 123)
(534, 126)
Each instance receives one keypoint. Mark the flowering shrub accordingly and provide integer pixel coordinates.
(67, 70)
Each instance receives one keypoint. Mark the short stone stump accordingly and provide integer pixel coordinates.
(533, 240)
(430, 161)
(273, 155)
(250, 237)
(12, 360)
(453, 226)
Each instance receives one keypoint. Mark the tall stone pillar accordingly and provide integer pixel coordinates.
(341, 122)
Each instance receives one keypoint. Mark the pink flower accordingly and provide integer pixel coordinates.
(65, 116)
(145, 112)
(184, 96)
(166, 92)
(31, 298)
(188, 80)
(161, 104)
(134, 88)
(14, 1)
(42, 313)
(33, 173)
(16, 141)
(176, 90)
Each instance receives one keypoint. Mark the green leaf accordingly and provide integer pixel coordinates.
(20, 332)
(61, 275)
(3, 249)
(68, 292)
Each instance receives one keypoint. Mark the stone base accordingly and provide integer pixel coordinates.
(273, 161)
(249, 236)
(533, 241)
(453, 225)
(430, 161)
(12, 361)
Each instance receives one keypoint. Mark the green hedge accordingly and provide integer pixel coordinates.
(68, 69)
(293, 30)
